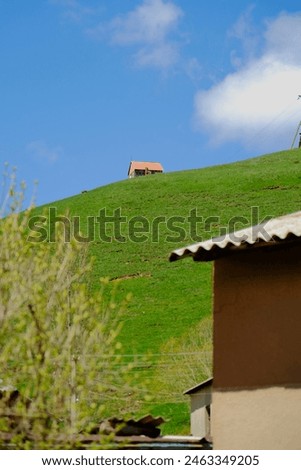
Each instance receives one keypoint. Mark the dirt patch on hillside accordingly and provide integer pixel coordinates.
(129, 276)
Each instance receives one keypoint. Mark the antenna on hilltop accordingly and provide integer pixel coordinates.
(298, 128)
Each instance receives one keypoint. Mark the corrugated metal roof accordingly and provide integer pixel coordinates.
(272, 232)
(199, 387)
(152, 166)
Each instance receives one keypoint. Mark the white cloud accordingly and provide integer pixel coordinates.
(149, 27)
(149, 23)
(243, 27)
(41, 151)
(74, 10)
(194, 69)
(283, 37)
(246, 32)
(162, 56)
(257, 105)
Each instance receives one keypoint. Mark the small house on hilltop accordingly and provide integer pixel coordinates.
(256, 389)
(144, 168)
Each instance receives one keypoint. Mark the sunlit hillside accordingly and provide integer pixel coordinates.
(136, 224)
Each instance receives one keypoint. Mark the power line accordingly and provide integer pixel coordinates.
(183, 353)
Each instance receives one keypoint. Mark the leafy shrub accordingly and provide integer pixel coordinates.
(59, 345)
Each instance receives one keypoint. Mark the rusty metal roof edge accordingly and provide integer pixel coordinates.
(199, 386)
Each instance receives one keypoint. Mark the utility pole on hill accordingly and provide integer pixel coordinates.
(296, 133)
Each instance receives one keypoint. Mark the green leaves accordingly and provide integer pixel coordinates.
(58, 343)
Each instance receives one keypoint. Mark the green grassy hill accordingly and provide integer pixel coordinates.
(170, 299)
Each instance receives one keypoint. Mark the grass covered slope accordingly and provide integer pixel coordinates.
(170, 299)
(179, 291)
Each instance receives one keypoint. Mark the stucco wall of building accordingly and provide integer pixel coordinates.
(257, 349)
(257, 318)
(267, 418)
(199, 416)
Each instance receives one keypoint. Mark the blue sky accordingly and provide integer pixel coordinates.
(88, 85)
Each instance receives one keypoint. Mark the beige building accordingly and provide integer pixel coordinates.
(144, 168)
(256, 399)
(200, 409)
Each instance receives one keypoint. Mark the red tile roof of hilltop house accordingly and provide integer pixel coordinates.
(151, 166)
